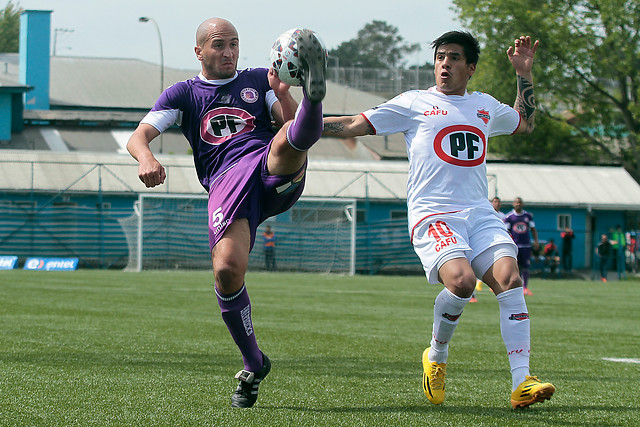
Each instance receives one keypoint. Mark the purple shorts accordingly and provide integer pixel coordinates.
(248, 191)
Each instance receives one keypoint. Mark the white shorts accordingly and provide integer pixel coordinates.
(468, 233)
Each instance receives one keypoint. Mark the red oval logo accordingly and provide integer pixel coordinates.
(461, 145)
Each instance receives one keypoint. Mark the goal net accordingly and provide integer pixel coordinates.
(170, 232)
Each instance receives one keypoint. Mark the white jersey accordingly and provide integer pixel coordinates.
(446, 138)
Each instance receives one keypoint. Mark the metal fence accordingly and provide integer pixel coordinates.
(386, 82)
(77, 209)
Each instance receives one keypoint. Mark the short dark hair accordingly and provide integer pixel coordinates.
(463, 38)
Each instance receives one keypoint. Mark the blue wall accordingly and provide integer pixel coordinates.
(35, 36)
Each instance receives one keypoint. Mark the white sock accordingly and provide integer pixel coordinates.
(514, 325)
(447, 309)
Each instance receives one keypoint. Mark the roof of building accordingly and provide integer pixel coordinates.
(134, 84)
(588, 187)
(106, 93)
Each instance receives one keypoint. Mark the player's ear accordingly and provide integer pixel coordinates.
(198, 51)
(472, 69)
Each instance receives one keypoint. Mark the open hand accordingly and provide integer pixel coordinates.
(521, 56)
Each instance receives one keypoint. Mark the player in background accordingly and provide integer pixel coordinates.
(497, 205)
(521, 226)
(250, 172)
(454, 229)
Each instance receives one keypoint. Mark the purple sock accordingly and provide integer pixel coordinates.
(307, 125)
(236, 313)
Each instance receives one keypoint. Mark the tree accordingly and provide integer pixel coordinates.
(10, 28)
(377, 45)
(587, 74)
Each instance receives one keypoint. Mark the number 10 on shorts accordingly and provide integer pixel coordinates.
(443, 235)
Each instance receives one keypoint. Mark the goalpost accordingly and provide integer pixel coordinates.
(170, 232)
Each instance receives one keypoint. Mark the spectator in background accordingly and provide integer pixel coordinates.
(497, 205)
(567, 249)
(269, 237)
(632, 246)
(551, 257)
(604, 251)
(618, 243)
(521, 226)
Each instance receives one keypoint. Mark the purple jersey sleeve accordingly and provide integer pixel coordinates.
(221, 122)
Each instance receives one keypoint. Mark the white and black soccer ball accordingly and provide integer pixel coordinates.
(284, 56)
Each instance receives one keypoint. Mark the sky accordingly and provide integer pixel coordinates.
(110, 28)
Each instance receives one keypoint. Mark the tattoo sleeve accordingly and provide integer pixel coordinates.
(333, 128)
(346, 129)
(525, 103)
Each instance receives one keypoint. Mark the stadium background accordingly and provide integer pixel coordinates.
(67, 185)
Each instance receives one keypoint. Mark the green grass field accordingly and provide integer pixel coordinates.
(112, 348)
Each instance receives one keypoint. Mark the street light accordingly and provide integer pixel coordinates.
(55, 37)
(147, 19)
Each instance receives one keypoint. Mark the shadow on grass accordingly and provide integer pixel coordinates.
(76, 359)
(539, 414)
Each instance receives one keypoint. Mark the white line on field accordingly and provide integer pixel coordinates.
(621, 359)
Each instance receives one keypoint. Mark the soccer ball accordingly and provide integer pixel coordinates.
(284, 57)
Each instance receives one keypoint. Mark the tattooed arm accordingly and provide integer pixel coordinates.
(347, 126)
(521, 58)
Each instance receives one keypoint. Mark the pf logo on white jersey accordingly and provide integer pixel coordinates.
(461, 145)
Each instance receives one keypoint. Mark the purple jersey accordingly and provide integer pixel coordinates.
(519, 225)
(222, 122)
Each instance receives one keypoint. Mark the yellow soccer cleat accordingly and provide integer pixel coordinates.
(433, 378)
(479, 285)
(531, 391)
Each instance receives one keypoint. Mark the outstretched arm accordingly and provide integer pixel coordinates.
(347, 126)
(521, 57)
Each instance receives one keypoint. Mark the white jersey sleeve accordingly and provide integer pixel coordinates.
(162, 120)
(271, 99)
(393, 116)
(504, 119)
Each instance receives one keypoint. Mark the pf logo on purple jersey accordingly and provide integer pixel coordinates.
(461, 145)
(220, 124)
(520, 227)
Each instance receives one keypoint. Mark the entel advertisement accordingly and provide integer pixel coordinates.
(51, 264)
(8, 262)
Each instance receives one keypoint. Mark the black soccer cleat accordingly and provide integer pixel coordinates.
(313, 64)
(246, 394)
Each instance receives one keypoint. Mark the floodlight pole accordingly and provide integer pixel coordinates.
(147, 19)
